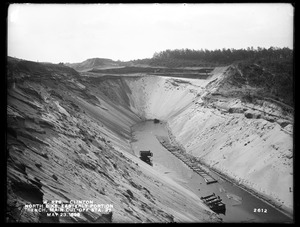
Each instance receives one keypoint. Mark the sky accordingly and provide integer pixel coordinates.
(75, 32)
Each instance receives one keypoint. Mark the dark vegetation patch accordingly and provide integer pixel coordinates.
(273, 80)
(206, 58)
(270, 70)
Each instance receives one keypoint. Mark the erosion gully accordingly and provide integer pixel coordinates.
(241, 206)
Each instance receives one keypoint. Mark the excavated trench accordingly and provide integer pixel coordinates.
(95, 119)
(241, 206)
(168, 99)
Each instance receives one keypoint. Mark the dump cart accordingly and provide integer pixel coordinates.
(145, 156)
(156, 121)
(214, 203)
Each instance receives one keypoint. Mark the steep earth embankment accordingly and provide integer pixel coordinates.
(251, 141)
(227, 126)
(68, 138)
(163, 97)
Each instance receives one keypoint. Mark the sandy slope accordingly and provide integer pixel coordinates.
(66, 140)
(258, 156)
(212, 122)
(255, 152)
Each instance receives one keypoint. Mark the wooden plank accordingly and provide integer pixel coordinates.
(211, 182)
(200, 172)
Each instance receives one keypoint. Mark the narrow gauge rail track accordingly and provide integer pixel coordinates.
(194, 166)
